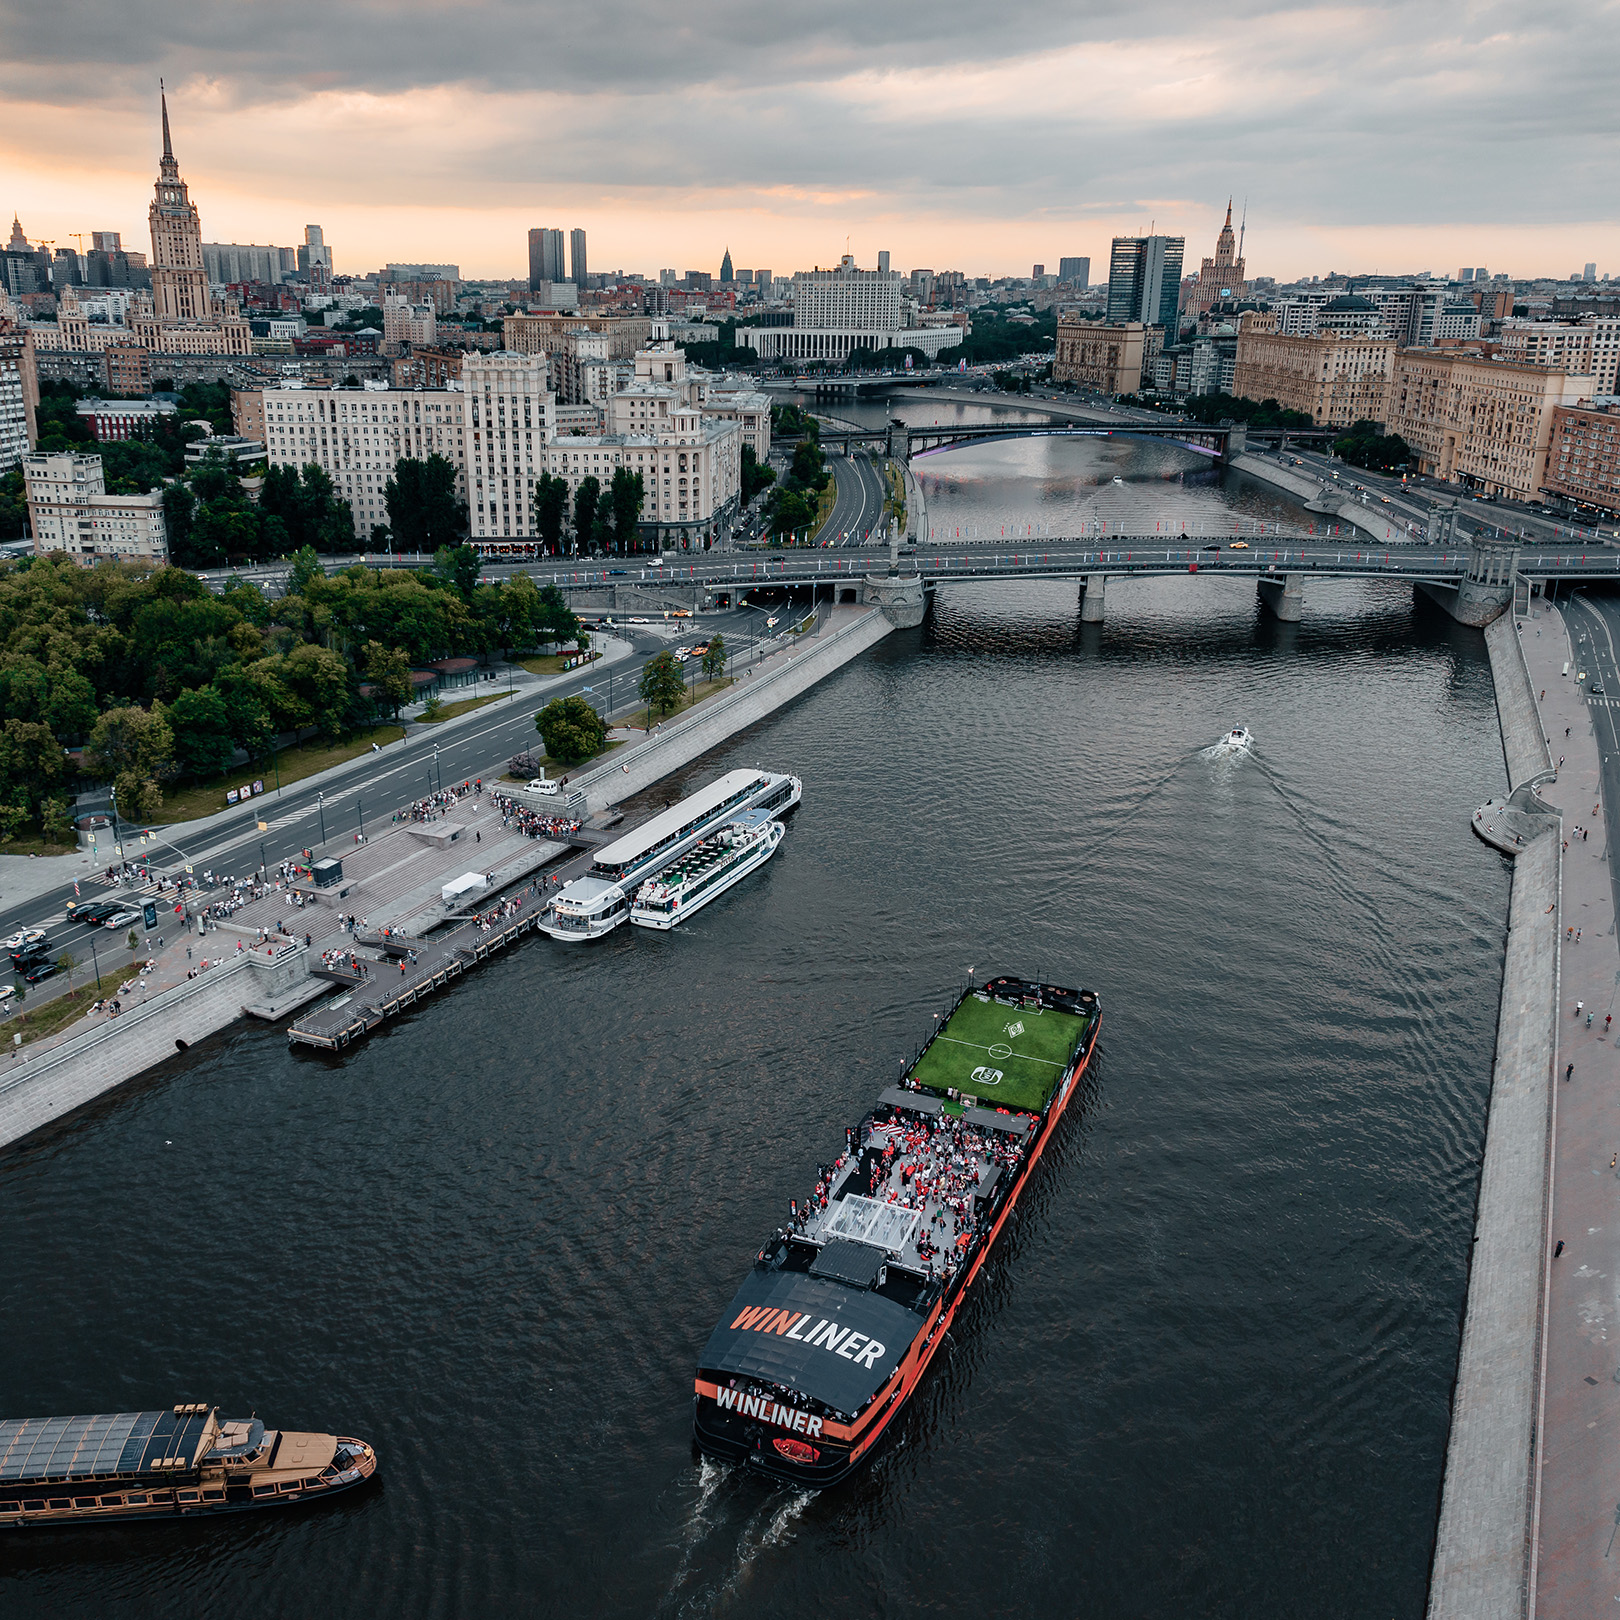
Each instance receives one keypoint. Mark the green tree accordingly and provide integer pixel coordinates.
(755, 477)
(203, 745)
(13, 504)
(585, 502)
(457, 566)
(55, 821)
(661, 685)
(32, 766)
(571, 729)
(139, 797)
(132, 741)
(389, 674)
(625, 497)
(1366, 444)
(714, 658)
(555, 621)
(306, 565)
(423, 510)
(550, 508)
(67, 963)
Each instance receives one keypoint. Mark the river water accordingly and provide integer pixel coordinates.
(1208, 1371)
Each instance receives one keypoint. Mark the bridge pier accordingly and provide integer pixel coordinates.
(1284, 596)
(900, 596)
(1092, 589)
(1486, 590)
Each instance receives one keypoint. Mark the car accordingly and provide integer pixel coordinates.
(1212, 548)
(1596, 689)
(616, 573)
(25, 938)
(6, 993)
(541, 785)
(1240, 545)
(38, 971)
(120, 918)
(91, 911)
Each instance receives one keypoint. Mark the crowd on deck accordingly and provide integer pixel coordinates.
(934, 1166)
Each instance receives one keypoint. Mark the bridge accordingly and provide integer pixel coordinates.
(905, 442)
(1474, 581)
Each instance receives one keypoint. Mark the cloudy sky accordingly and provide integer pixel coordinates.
(1407, 135)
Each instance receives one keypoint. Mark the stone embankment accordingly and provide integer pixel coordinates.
(1376, 522)
(754, 696)
(1481, 1558)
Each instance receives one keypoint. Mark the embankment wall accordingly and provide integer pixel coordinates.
(1482, 1547)
(722, 718)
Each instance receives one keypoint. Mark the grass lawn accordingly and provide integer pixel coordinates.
(31, 841)
(449, 711)
(551, 664)
(50, 1017)
(187, 803)
(1014, 1056)
(824, 506)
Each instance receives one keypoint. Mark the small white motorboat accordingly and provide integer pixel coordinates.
(1237, 740)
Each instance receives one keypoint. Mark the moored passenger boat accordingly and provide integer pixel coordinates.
(165, 1465)
(832, 1330)
(598, 902)
(707, 870)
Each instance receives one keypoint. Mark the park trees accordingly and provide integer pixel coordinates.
(714, 658)
(203, 745)
(423, 509)
(661, 685)
(550, 510)
(390, 676)
(623, 509)
(457, 566)
(586, 498)
(755, 476)
(571, 729)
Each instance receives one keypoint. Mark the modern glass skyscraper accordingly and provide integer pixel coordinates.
(1144, 281)
(576, 253)
(545, 257)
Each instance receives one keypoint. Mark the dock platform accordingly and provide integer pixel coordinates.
(383, 993)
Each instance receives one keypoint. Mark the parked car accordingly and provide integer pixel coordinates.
(120, 919)
(541, 785)
(92, 911)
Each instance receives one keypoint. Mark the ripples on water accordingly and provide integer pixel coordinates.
(1207, 1373)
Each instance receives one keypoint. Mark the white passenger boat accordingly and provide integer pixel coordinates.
(598, 902)
(707, 870)
(1237, 740)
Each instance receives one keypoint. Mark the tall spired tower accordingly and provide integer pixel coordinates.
(1219, 279)
(179, 281)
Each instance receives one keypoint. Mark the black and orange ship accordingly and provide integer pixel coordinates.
(834, 1327)
(181, 1462)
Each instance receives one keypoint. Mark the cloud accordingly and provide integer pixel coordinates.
(968, 135)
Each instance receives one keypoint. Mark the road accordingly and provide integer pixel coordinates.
(1594, 625)
(858, 510)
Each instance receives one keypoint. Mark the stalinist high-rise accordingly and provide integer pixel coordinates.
(179, 281)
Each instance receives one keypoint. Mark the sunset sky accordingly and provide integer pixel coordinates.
(1393, 137)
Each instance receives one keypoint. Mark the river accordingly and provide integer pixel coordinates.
(1208, 1371)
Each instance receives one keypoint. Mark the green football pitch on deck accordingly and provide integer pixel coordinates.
(1013, 1056)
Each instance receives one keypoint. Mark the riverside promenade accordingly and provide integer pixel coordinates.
(1574, 1575)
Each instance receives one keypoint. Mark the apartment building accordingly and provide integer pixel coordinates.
(1109, 358)
(1583, 457)
(489, 428)
(70, 510)
(407, 325)
(1479, 419)
(1335, 378)
(19, 394)
(543, 332)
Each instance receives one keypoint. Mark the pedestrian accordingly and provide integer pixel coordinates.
(1566, 731)
(1569, 1071)
(1608, 1018)
(1580, 1007)
(1559, 1250)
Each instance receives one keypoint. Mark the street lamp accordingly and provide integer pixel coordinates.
(320, 806)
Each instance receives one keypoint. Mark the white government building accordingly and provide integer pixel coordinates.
(838, 311)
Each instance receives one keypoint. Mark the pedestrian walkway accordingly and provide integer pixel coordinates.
(1573, 1576)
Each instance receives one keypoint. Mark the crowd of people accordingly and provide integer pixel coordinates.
(934, 1166)
(438, 804)
(486, 920)
(531, 823)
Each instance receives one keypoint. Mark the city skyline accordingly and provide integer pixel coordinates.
(1311, 113)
